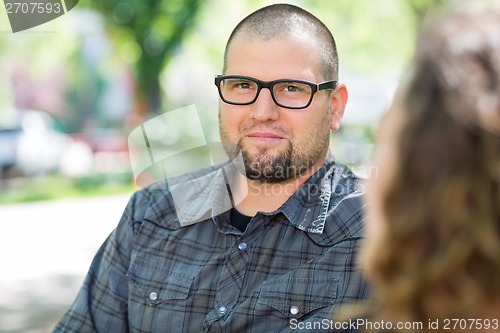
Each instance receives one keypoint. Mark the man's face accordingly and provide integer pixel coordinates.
(276, 143)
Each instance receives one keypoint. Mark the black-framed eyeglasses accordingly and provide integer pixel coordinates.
(287, 93)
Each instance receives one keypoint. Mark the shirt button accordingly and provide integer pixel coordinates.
(153, 296)
(242, 246)
(294, 310)
(222, 310)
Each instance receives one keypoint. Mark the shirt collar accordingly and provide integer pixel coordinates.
(202, 197)
(307, 208)
(206, 195)
(328, 206)
(188, 199)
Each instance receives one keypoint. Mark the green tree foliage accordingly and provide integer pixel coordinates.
(153, 29)
(420, 8)
(374, 36)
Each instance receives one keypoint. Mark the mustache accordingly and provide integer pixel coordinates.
(260, 127)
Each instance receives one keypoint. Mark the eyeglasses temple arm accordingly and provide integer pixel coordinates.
(327, 85)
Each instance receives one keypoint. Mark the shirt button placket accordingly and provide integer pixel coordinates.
(231, 280)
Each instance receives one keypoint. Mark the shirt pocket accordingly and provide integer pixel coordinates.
(155, 286)
(296, 298)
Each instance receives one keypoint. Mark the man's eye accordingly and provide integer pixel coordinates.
(292, 88)
(243, 85)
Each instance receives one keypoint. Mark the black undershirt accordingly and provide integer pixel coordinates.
(239, 220)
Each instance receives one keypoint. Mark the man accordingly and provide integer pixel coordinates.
(282, 256)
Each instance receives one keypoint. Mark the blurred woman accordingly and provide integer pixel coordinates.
(433, 245)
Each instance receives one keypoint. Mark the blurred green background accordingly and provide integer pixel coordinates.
(73, 90)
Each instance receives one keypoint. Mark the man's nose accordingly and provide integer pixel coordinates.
(264, 108)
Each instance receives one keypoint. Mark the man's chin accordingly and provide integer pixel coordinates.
(264, 154)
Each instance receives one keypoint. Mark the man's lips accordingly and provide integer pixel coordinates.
(264, 137)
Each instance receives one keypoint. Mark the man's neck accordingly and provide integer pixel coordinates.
(251, 196)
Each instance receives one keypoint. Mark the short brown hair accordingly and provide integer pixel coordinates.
(280, 20)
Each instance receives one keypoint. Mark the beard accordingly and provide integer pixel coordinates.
(289, 162)
(267, 168)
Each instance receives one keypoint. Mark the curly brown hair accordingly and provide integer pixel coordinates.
(438, 256)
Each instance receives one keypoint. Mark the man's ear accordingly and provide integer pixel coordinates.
(338, 102)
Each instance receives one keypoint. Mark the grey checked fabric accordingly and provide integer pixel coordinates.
(154, 274)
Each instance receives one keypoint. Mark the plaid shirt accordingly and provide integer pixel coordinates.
(290, 268)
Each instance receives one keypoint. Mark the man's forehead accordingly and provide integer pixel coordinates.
(299, 38)
(274, 58)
